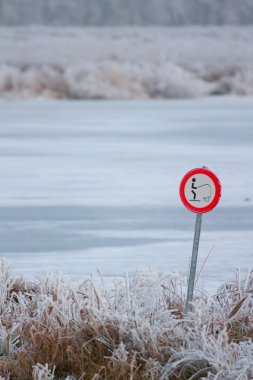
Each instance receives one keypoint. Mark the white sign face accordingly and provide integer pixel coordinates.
(200, 190)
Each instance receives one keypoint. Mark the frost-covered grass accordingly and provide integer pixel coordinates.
(52, 329)
(125, 63)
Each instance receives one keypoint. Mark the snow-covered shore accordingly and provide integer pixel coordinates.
(136, 329)
(125, 63)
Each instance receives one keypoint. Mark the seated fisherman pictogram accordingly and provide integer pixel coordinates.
(207, 193)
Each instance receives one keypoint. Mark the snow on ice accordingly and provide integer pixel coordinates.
(87, 185)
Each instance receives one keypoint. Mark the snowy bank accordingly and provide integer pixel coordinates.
(125, 63)
(53, 329)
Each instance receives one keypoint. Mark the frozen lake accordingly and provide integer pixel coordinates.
(88, 185)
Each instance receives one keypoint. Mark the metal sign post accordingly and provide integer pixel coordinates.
(194, 259)
(200, 192)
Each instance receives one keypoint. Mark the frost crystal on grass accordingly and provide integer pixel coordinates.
(51, 329)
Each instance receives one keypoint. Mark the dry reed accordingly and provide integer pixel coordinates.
(51, 329)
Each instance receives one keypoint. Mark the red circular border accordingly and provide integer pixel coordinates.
(217, 188)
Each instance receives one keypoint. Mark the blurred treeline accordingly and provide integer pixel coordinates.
(125, 12)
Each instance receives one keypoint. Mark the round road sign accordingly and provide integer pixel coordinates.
(200, 190)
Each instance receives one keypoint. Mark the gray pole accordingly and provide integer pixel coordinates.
(195, 249)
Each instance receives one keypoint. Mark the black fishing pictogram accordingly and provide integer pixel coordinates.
(194, 188)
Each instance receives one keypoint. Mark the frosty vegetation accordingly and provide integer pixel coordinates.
(125, 12)
(125, 63)
(52, 329)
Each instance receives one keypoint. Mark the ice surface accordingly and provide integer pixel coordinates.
(95, 184)
(125, 63)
